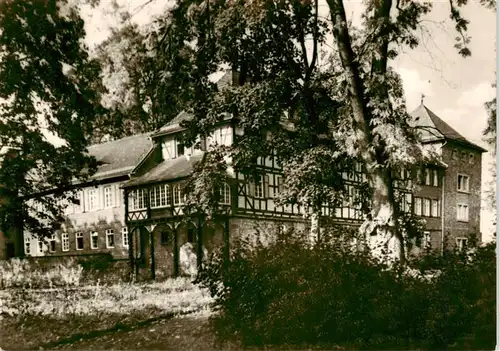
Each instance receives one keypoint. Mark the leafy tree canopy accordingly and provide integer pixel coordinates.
(317, 119)
(48, 86)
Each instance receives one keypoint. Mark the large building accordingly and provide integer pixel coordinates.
(97, 224)
(134, 206)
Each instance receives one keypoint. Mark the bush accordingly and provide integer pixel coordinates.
(288, 293)
(20, 273)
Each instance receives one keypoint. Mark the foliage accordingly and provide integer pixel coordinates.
(289, 293)
(286, 103)
(173, 295)
(19, 273)
(49, 89)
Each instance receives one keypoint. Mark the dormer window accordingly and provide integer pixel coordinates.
(180, 149)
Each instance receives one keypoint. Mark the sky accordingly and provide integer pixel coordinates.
(455, 88)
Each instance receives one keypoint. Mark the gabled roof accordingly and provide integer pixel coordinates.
(433, 128)
(176, 168)
(119, 157)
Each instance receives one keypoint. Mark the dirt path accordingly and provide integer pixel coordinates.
(181, 333)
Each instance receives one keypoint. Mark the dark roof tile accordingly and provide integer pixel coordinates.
(119, 157)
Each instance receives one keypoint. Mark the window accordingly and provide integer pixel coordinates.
(108, 196)
(52, 243)
(461, 243)
(40, 246)
(427, 240)
(137, 199)
(27, 246)
(65, 241)
(225, 194)
(160, 196)
(463, 183)
(435, 208)
(77, 203)
(418, 206)
(165, 237)
(92, 199)
(471, 158)
(406, 203)
(167, 149)
(125, 237)
(180, 149)
(427, 176)
(110, 238)
(435, 177)
(427, 208)
(94, 240)
(79, 241)
(260, 188)
(279, 181)
(177, 195)
(463, 212)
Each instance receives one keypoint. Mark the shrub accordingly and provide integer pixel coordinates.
(289, 293)
(20, 273)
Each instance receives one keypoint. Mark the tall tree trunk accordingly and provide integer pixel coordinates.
(381, 227)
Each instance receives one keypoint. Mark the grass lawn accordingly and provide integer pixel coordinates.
(61, 317)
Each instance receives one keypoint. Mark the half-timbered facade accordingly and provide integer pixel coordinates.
(159, 231)
(134, 206)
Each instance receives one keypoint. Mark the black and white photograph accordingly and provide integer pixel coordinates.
(248, 175)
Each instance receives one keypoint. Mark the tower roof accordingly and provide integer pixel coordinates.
(434, 128)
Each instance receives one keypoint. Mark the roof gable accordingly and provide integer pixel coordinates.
(437, 129)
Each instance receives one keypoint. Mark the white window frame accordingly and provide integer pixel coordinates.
(109, 196)
(110, 233)
(463, 212)
(93, 199)
(52, 241)
(427, 176)
(94, 234)
(79, 235)
(464, 188)
(225, 194)
(160, 196)
(41, 246)
(435, 208)
(460, 243)
(435, 177)
(260, 187)
(418, 206)
(64, 241)
(426, 207)
(125, 237)
(137, 199)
